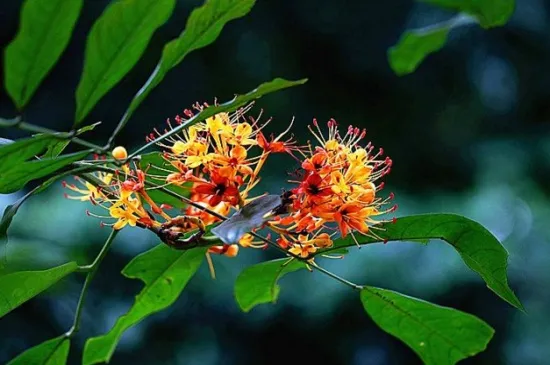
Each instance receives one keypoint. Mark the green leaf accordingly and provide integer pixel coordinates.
(439, 335)
(240, 100)
(115, 44)
(165, 273)
(44, 32)
(414, 46)
(157, 166)
(51, 352)
(13, 154)
(489, 13)
(16, 177)
(18, 287)
(257, 284)
(479, 249)
(203, 27)
(56, 147)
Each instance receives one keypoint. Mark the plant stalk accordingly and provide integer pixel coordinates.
(91, 271)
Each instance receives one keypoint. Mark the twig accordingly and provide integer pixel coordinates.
(91, 271)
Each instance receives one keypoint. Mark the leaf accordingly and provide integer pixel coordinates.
(479, 249)
(17, 170)
(51, 352)
(15, 153)
(18, 287)
(203, 27)
(156, 165)
(240, 100)
(439, 335)
(489, 13)
(249, 217)
(56, 147)
(16, 177)
(115, 43)
(257, 284)
(44, 32)
(414, 46)
(165, 273)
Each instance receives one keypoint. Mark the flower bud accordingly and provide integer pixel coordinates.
(232, 251)
(120, 153)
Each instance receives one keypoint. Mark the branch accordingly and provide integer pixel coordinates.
(91, 271)
(18, 123)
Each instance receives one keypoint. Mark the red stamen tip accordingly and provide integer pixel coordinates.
(391, 196)
(385, 241)
(166, 206)
(315, 122)
(64, 183)
(394, 220)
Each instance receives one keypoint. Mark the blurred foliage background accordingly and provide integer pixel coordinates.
(468, 133)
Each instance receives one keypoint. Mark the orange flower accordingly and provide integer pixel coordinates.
(220, 189)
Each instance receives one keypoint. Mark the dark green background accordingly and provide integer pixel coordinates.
(468, 133)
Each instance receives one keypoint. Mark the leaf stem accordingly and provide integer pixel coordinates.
(91, 271)
(334, 276)
(134, 104)
(18, 123)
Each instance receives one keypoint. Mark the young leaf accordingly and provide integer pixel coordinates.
(249, 217)
(203, 27)
(257, 284)
(51, 352)
(115, 44)
(44, 32)
(439, 335)
(415, 45)
(479, 249)
(165, 273)
(156, 165)
(18, 287)
(16, 177)
(489, 13)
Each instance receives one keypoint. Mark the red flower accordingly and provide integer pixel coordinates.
(220, 189)
(312, 187)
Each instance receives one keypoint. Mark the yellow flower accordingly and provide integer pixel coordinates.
(302, 250)
(123, 216)
(241, 135)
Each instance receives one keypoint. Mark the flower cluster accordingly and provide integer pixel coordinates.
(336, 192)
(218, 162)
